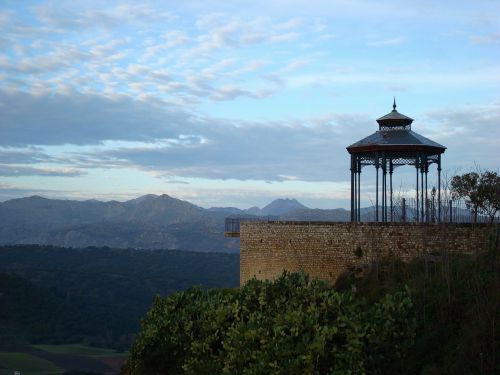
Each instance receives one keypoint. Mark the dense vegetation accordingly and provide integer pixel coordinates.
(95, 295)
(436, 315)
(291, 326)
(457, 306)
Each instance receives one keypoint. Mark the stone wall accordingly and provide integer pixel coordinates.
(326, 249)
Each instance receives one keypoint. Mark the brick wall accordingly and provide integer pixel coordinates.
(326, 249)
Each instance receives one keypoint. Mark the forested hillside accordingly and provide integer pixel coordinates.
(96, 295)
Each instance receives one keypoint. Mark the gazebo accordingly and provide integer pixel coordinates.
(394, 145)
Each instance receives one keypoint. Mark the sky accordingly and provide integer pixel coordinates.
(237, 103)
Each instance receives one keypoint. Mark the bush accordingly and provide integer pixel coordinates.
(293, 325)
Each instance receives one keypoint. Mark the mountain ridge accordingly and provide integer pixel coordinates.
(146, 222)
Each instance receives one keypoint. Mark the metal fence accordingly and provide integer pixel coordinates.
(404, 210)
(450, 211)
(232, 224)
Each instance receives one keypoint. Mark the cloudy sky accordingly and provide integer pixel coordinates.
(235, 103)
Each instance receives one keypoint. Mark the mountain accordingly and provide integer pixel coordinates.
(282, 206)
(227, 210)
(148, 222)
(276, 208)
(338, 214)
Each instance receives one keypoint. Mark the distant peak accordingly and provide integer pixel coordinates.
(286, 200)
(143, 198)
(282, 205)
(34, 198)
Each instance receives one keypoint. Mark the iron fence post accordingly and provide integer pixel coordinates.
(451, 211)
(403, 209)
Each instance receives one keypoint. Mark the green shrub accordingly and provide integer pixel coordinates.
(293, 325)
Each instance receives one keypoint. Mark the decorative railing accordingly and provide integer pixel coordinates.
(449, 211)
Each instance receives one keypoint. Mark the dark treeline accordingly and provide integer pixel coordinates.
(95, 295)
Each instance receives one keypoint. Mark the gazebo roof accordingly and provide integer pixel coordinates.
(394, 119)
(395, 140)
(394, 115)
(395, 134)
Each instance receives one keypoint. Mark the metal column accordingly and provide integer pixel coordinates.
(352, 188)
(376, 190)
(422, 216)
(426, 196)
(391, 166)
(359, 191)
(385, 190)
(439, 188)
(416, 167)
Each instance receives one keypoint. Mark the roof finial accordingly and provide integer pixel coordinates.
(394, 104)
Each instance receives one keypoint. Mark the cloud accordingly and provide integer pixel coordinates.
(471, 134)
(442, 77)
(64, 18)
(295, 64)
(178, 182)
(23, 156)
(173, 144)
(275, 78)
(19, 170)
(175, 38)
(254, 151)
(292, 23)
(229, 92)
(63, 56)
(210, 72)
(134, 134)
(319, 26)
(329, 36)
(493, 38)
(252, 37)
(108, 48)
(388, 42)
(286, 37)
(141, 13)
(251, 66)
(85, 119)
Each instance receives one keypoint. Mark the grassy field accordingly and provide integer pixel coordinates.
(55, 359)
(27, 364)
(78, 349)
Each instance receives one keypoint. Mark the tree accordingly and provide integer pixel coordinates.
(482, 189)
